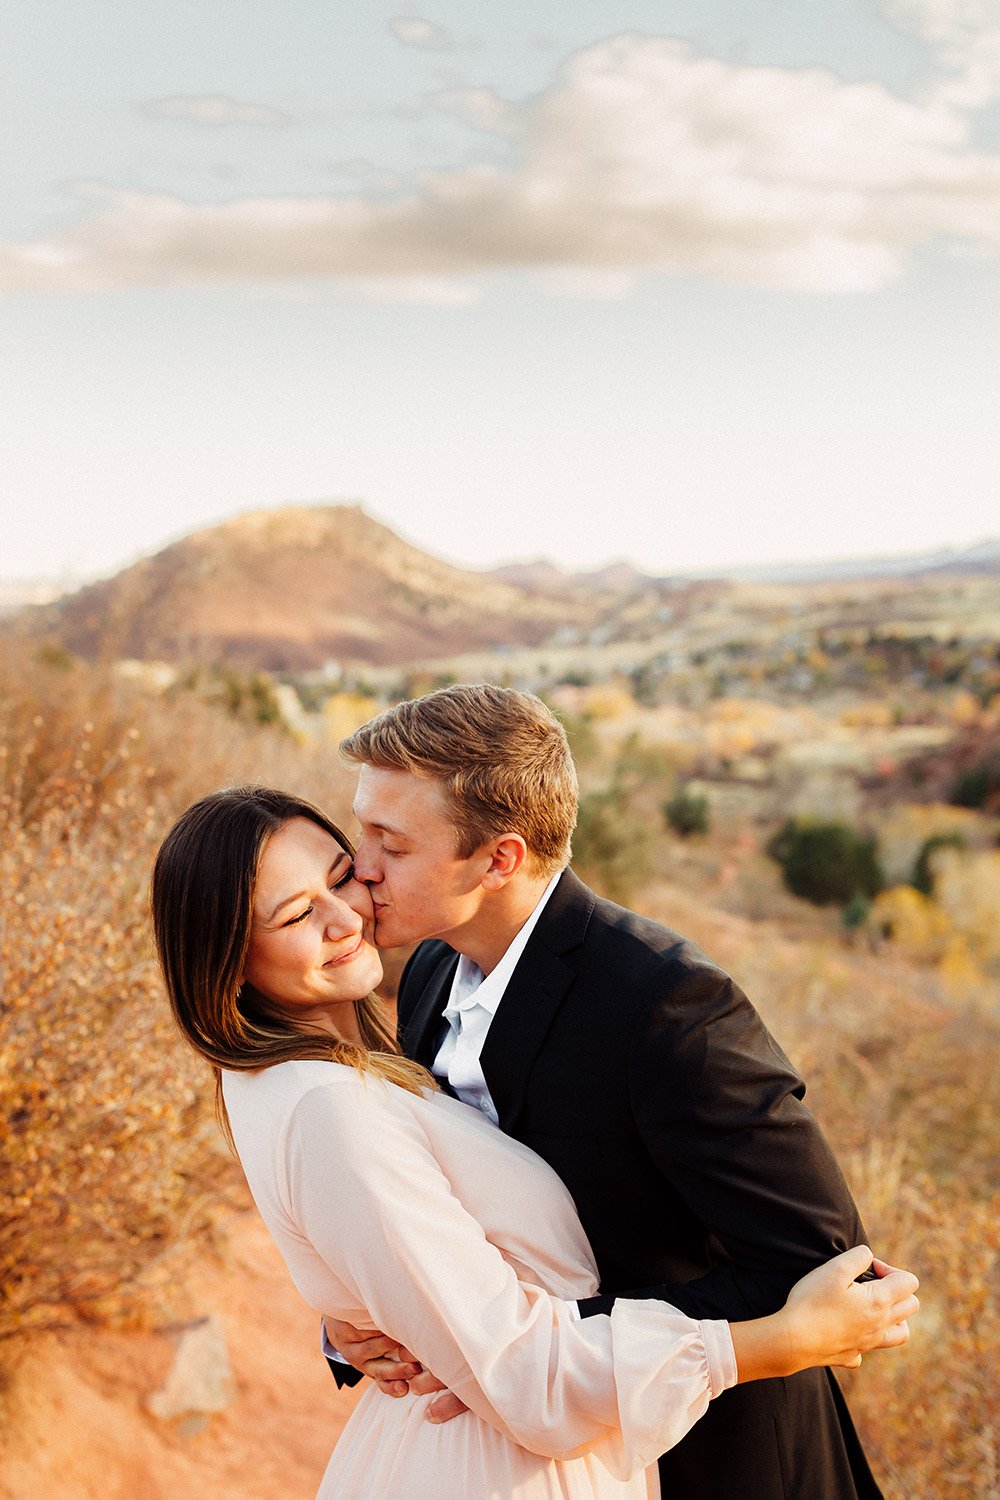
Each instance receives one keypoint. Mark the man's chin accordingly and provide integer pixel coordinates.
(386, 938)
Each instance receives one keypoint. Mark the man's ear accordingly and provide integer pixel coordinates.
(507, 855)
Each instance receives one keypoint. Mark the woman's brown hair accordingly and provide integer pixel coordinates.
(202, 901)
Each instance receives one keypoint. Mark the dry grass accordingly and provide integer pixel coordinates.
(112, 1162)
(111, 1152)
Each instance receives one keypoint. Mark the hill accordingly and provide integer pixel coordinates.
(291, 589)
(294, 589)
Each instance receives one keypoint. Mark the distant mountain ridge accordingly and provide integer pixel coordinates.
(978, 557)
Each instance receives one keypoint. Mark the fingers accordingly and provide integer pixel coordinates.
(345, 1336)
(894, 1335)
(445, 1407)
(425, 1383)
(344, 1333)
(377, 1347)
(393, 1387)
(854, 1263)
(892, 1298)
(390, 1369)
(900, 1284)
(895, 1276)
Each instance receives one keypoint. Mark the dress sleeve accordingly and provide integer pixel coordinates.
(366, 1190)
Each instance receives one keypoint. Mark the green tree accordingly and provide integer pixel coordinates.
(687, 812)
(923, 872)
(826, 862)
(972, 787)
(611, 846)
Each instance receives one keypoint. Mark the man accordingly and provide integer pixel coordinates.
(617, 1051)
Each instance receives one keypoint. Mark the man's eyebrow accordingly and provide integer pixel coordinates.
(287, 900)
(383, 827)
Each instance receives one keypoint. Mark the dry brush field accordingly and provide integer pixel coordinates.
(113, 1178)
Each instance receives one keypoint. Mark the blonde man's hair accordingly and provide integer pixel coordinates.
(500, 756)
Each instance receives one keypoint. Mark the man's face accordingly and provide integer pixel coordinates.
(406, 856)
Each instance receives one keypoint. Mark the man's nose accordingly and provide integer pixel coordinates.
(366, 868)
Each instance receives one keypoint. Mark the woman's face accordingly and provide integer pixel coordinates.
(312, 938)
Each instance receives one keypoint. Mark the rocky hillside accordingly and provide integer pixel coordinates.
(291, 589)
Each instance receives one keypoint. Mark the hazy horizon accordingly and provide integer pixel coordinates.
(68, 580)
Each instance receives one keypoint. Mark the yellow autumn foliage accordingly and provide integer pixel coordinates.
(913, 921)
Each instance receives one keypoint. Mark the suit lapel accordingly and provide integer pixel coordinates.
(423, 1029)
(532, 999)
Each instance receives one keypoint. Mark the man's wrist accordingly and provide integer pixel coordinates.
(329, 1351)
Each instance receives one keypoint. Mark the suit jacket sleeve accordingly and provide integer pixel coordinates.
(719, 1108)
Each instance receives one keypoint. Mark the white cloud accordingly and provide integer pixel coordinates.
(414, 31)
(479, 107)
(964, 40)
(641, 158)
(214, 109)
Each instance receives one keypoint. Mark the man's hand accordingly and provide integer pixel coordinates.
(393, 1368)
(376, 1355)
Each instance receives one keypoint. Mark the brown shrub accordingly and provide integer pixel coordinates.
(111, 1151)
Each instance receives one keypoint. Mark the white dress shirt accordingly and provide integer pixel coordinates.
(472, 1004)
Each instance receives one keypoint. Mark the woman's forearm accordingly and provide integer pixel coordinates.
(764, 1348)
(830, 1318)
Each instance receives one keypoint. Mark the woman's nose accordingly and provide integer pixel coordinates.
(342, 917)
(358, 898)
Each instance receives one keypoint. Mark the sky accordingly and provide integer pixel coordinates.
(693, 283)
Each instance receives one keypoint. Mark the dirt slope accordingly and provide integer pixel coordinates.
(75, 1427)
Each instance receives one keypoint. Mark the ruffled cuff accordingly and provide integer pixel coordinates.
(721, 1355)
(668, 1367)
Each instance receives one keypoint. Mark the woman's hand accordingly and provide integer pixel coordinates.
(830, 1318)
(833, 1319)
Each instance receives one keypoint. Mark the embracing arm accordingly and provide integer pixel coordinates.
(423, 1270)
(628, 1386)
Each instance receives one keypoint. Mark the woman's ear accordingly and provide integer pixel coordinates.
(507, 855)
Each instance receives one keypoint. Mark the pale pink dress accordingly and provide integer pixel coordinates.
(413, 1214)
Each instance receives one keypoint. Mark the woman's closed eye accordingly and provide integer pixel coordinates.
(300, 918)
(335, 885)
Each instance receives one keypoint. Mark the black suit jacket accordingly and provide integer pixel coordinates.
(645, 1077)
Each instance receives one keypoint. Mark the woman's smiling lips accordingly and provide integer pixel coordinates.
(346, 957)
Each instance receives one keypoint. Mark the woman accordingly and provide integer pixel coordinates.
(392, 1202)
